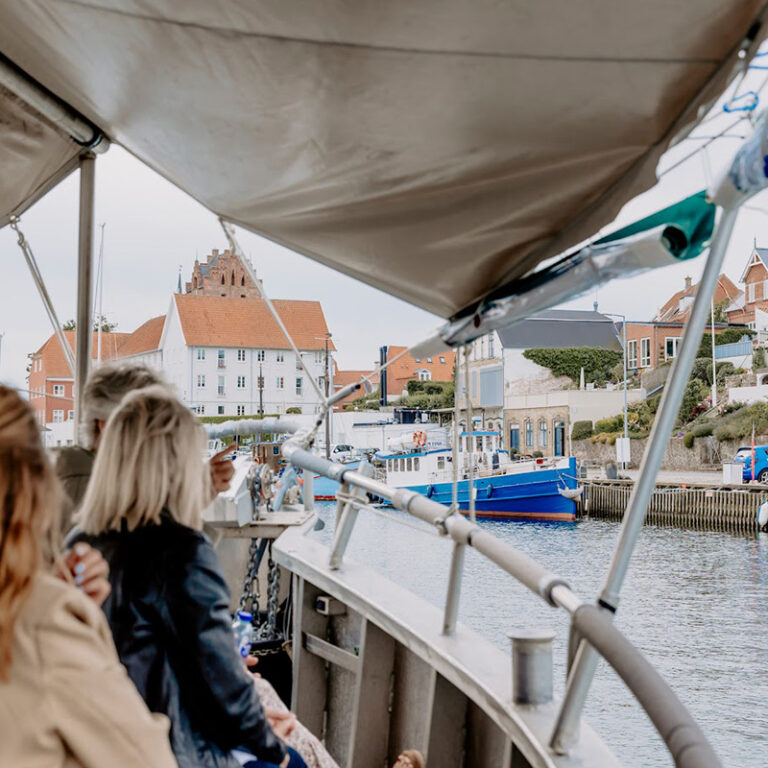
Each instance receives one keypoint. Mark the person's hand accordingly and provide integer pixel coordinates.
(282, 723)
(222, 469)
(286, 760)
(89, 570)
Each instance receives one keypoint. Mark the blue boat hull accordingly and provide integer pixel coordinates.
(532, 495)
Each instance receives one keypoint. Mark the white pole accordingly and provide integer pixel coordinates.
(714, 362)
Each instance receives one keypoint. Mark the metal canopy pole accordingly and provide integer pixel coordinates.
(566, 729)
(44, 295)
(83, 331)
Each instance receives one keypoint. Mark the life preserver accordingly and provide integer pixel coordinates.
(420, 438)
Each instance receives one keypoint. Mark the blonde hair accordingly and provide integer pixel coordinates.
(106, 387)
(149, 460)
(30, 498)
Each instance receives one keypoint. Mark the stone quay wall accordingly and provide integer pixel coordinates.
(706, 453)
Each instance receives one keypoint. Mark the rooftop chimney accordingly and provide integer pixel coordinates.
(687, 283)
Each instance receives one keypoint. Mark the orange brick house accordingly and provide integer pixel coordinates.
(50, 381)
(408, 368)
(652, 343)
(343, 378)
(751, 305)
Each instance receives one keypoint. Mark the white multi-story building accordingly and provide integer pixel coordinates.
(228, 357)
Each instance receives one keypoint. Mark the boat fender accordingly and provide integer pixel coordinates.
(488, 491)
(430, 491)
(762, 515)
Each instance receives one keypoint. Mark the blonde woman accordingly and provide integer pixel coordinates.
(168, 609)
(65, 700)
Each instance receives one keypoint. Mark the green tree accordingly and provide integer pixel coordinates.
(106, 325)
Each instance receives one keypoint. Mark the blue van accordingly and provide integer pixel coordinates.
(744, 455)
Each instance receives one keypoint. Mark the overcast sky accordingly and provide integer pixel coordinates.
(152, 228)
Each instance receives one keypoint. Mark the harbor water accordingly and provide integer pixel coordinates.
(695, 602)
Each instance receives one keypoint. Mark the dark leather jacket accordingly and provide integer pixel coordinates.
(169, 616)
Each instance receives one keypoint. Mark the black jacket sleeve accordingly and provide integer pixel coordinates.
(196, 603)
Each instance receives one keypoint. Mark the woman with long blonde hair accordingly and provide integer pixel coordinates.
(65, 700)
(168, 609)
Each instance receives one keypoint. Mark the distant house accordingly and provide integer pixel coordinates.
(405, 368)
(225, 356)
(650, 344)
(51, 384)
(751, 306)
(342, 378)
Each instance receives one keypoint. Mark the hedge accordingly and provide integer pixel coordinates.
(581, 430)
(597, 363)
(222, 419)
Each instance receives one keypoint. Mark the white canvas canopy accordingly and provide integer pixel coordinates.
(434, 149)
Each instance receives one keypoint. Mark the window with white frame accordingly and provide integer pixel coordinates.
(241, 410)
(424, 375)
(241, 382)
(240, 355)
(220, 385)
(670, 347)
(58, 416)
(319, 356)
(280, 357)
(645, 352)
(491, 350)
(632, 353)
(529, 434)
(220, 410)
(750, 292)
(280, 382)
(299, 385)
(442, 360)
(200, 381)
(70, 415)
(200, 353)
(261, 355)
(58, 390)
(221, 359)
(429, 360)
(542, 433)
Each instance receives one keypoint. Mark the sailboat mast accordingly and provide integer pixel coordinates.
(100, 319)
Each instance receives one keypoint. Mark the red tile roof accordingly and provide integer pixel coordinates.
(145, 338)
(342, 378)
(54, 364)
(404, 370)
(726, 290)
(209, 321)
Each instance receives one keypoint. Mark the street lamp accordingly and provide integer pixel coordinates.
(624, 344)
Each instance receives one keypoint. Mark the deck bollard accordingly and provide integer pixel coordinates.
(532, 666)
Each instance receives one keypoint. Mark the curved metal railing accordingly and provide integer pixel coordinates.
(684, 739)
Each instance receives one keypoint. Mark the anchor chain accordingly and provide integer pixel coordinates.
(273, 590)
(251, 594)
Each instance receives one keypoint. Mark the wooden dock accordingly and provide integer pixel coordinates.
(690, 505)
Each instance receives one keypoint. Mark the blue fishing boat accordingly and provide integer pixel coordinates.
(544, 489)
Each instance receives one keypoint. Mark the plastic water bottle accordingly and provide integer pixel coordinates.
(242, 627)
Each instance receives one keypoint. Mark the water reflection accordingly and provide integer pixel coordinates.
(696, 602)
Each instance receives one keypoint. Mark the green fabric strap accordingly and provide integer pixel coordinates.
(691, 222)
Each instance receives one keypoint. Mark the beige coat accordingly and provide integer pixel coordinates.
(69, 701)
